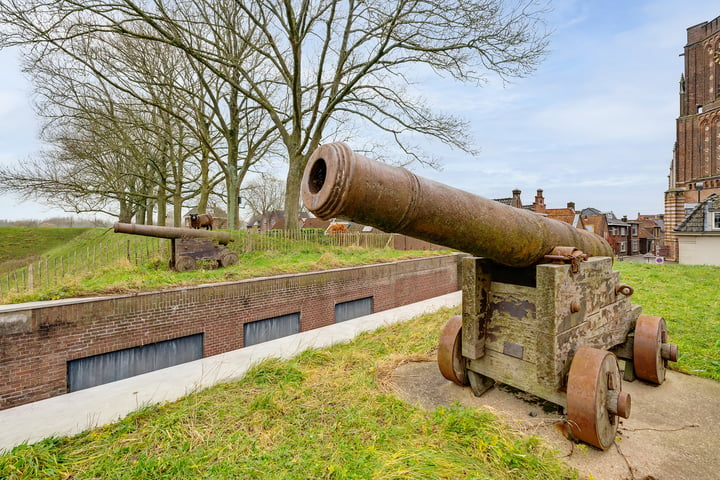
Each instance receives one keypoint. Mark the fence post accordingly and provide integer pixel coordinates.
(31, 278)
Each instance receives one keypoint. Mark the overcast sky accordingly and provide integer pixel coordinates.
(595, 124)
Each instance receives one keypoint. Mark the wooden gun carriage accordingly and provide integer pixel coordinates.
(542, 309)
(188, 246)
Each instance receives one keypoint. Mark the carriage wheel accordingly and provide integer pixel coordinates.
(595, 398)
(228, 259)
(185, 264)
(449, 358)
(651, 351)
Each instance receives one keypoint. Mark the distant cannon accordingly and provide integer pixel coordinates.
(542, 309)
(188, 246)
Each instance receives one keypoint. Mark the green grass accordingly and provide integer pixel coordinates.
(329, 413)
(688, 297)
(24, 244)
(98, 262)
(324, 414)
(122, 276)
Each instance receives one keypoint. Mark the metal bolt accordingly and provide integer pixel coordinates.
(619, 403)
(669, 351)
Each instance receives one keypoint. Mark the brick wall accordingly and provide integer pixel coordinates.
(696, 155)
(38, 339)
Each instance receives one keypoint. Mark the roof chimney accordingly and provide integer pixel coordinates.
(516, 201)
(539, 204)
(571, 205)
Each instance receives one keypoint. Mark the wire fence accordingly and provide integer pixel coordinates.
(51, 271)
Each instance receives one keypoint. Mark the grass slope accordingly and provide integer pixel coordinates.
(96, 262)
(24, 244)
(687, 296)
(324, 414)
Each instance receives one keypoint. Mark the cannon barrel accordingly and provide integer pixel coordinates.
(222, 238)
(340, 183)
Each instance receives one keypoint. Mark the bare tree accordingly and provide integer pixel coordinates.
(90, 123)
(318, 62)
(264, 195)
(192, 114)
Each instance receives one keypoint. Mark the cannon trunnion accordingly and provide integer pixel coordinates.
(542, 309)
(188, 246)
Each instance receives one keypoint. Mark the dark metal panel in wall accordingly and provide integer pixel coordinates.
(99, 369)
(353, 309)
(271, 328)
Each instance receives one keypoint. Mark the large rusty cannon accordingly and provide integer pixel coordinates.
(542, 309)
(188, 246)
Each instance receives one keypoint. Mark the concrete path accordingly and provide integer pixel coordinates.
(75, 412)
(672, 432)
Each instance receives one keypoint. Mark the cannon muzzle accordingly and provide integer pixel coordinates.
(222, 238)
(340, 183)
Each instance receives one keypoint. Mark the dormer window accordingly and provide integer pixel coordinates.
(715, 220)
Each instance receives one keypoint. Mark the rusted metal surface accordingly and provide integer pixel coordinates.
(595, 398)
(541, 303)
(623, 289)
(651, 351)
(222, 238)
(449, 357)
(570, 255)
(340, 183)
(189, 246)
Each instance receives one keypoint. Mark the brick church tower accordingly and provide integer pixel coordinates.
(695, 167)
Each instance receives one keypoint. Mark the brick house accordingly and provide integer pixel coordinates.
(651, 234)
(266, 221)
(695, 167)
(623, 235)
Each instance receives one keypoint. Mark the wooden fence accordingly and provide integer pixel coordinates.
(50, 271)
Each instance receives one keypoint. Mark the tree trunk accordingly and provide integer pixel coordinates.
(233, 148)
(140, 215)
(149, 210)
(125, 216)
(292, 191)
(177, 208)
(204, 180)
(161, 207)
(233, 187)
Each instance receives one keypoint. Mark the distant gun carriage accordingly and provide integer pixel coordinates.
(188, 246)
(542, 309)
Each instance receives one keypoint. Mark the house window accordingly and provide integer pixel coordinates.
(634, 230)
(623, 247)
(635, 246)
(716, 220)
